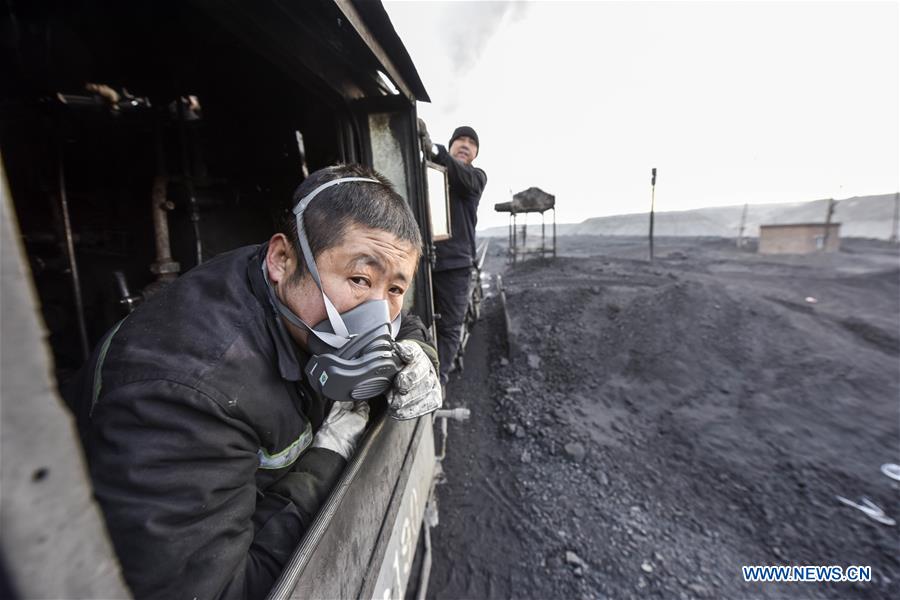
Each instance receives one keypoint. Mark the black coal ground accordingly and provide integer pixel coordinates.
(659, 426)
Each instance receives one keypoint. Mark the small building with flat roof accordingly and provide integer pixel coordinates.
(799, 238)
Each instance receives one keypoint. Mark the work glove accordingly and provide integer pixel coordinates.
(426, 139)
(343, 427)
(417, 389)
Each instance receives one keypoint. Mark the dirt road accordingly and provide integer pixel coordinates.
(658, 426)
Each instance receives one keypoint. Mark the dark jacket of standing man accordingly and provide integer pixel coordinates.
(456, 256)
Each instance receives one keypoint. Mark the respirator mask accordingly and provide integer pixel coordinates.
(353, 355)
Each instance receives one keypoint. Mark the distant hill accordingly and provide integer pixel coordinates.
(861, 216)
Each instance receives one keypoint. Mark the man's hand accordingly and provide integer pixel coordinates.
(343, 428)
(417, 389)
(426, 139)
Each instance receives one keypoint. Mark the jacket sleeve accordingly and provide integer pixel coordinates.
(462, 176)
(176, 477)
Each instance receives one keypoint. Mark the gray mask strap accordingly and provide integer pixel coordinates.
(334, 317)
(331, 339)
(395, 326)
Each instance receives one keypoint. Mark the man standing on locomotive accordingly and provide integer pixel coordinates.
(451, 275)
(213, 420)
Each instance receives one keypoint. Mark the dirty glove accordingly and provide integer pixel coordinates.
(427, 146)
(343, 427)
(417, 389)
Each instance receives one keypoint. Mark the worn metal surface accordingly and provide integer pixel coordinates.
(387, 154)
(356, 20)
(344, 550)
(340, 42)
(53, 542)
(391, 145)
(390, 48)
(412, 492)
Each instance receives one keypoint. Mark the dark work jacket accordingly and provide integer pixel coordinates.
(198, 446)
(466, 186)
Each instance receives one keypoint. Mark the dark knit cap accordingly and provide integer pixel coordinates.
(464, 130)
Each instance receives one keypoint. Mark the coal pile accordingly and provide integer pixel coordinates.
(656, 427)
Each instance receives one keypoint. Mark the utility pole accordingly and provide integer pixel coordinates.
(652, 207)
(828, 216)
(896, 217)
(740, 242)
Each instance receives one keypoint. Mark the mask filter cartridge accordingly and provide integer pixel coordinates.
(365, 366)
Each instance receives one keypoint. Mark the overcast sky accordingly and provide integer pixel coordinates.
(733, 102)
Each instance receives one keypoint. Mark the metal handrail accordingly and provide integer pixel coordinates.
(483, 252)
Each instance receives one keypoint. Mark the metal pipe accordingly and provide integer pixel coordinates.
(189, 181)
(525, 234)
(515, 246)
(483, 253)
(443, 440)
(165, 267)
(70, 254)
(125, 298)
(554, 232)
(652, 207)
(457, 414)
(740, 241)
(301, 148)
(543, 237)
(508, 236)
(425, 573)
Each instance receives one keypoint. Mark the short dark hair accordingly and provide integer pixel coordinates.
(335, 209)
